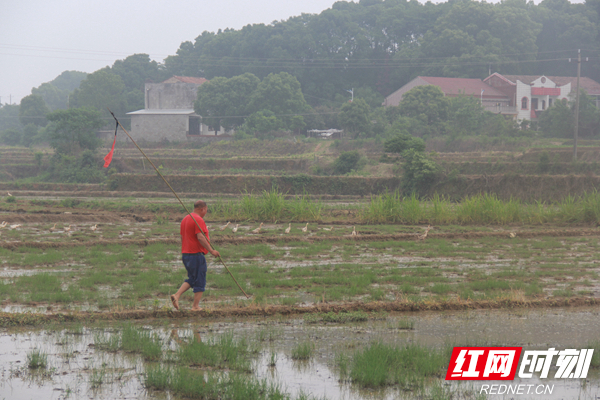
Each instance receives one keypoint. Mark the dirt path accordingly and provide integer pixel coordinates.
(16, 319)
(258, 239)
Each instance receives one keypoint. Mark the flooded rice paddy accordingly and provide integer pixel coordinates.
(80, 363)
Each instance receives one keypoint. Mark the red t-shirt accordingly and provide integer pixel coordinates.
(189, 230)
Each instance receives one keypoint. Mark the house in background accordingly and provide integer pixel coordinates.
(522, 97)
(168, 112)
(532, 94)
(491, 98)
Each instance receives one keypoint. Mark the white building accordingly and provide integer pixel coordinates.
(532, 94)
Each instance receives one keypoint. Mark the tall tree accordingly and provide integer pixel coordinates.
(74, 130)
(101, 90)
(33, 110)
(281, 94)
(354, 118)
(224, 102)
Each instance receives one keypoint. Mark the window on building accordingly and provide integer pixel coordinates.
(543, 104)
(524, 101)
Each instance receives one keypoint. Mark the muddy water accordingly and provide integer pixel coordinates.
(75, 367)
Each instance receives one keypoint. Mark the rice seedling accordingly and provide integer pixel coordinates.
(98, 376)
(303, 351)
(380, 364)
(272, 359)
(221, 352)
(195, 385)
(37, 359)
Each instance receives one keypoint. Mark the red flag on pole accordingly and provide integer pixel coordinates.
(109, 156)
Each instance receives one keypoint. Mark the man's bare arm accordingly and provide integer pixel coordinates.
(207, 245)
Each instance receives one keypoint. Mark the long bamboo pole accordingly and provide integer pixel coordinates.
(183, 205)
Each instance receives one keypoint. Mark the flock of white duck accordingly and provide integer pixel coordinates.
(257, 230)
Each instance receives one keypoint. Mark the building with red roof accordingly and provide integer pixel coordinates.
(492, 99)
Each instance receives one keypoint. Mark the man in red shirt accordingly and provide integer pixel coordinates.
(194, 247)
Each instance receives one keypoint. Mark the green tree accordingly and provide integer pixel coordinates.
(33, 110)
(281, 94)
(589, 115)
(465, 115)
(428, 106)
(346, 162)
(134, 71)
(11, 137)
(263, 122)
(402, 142)
(420, 171)
(557, 121)
(354, 118)
(9, 117)
(30, 133)
(101, 90)
(74, 130)
(224, 102)
(56, 92)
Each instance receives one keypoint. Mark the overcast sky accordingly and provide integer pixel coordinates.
(39, 39)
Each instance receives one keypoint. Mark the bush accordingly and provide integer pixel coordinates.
(11, 137)
(402, 142)
(83, 169)
(420, 171)
(346, 162)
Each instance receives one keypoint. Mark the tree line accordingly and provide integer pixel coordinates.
(295, 74)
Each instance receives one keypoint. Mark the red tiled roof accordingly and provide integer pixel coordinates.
(456, 86)
(186, 79)
(590, 85)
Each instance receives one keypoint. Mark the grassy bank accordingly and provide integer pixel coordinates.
(389, 208)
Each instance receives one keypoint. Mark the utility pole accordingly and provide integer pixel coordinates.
(352, 92)
(576, 133)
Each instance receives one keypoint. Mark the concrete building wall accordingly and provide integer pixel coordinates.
(523, 90)
(170, 95)
(155, 128)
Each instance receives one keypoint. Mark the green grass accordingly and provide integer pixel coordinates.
(132, 339)
(338, 318)
(195, 385)
(303, 351)
(221, 352)
(380, 364)
(37, 359)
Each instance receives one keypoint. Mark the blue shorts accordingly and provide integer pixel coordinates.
(196, 267)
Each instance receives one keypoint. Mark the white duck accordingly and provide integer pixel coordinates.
(289, 228)
(354, 233)
(257, 230)
(424, 236)
(305, 229)
(235, 228)
(225, 226)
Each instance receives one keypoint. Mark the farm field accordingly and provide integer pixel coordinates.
(86, 273)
